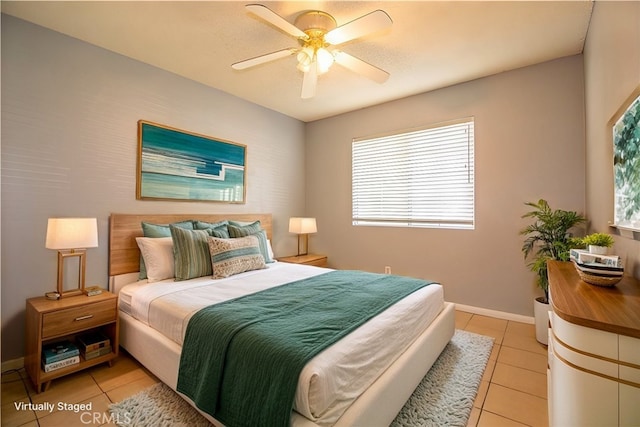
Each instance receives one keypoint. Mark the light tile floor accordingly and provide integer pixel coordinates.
(512, 392)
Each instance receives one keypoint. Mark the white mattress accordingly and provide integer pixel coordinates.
(334, 378)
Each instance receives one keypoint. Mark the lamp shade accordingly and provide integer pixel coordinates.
(72, 233)
(302, 225)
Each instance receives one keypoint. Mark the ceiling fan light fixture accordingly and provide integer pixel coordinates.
(320, 57)
(325, 60)
(315, 20)
(304, 67)
(318, 34)
(305, 58)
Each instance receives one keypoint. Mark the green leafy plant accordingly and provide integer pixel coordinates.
(548, 238)
(598, 239)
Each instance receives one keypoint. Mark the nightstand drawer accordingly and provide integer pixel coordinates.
(322, 262)
(308, 259)
(78, 318)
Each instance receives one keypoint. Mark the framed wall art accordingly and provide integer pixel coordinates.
(625, 129)
(174, 164)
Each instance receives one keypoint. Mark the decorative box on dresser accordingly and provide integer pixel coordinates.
(309, 259)
(49, 321)
(593, 376)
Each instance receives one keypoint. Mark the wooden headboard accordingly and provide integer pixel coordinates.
(124, 255)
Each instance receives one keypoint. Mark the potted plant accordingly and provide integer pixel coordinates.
(598, 243)
(548, 238)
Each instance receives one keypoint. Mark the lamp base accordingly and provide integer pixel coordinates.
(306, 244)
(62, 256)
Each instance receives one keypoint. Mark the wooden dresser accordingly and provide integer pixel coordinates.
(593, 376)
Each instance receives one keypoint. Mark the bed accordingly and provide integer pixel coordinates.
(380, 377)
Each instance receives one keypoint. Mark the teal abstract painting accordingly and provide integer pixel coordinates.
(178, 165)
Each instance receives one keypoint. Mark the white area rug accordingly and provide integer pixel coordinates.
(444, 397)
(156, 406)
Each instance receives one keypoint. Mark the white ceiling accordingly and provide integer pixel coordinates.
(432, 44)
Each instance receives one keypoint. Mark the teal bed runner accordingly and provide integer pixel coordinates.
(241, 359)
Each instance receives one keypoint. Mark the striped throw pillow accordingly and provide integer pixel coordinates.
(239, 229)
(254, 229)
(190, 253)
(233, 256)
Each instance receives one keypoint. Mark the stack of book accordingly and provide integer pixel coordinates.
(583, 256)
(59, 355)
(601, 270)
(94, 344)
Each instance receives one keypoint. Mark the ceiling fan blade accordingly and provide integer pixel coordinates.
(369, 23)
(361, 67)
(276, 20)
(309, 82)
(262, 59)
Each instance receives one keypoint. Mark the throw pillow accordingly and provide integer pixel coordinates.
(190, 253)
(158, 257)
(254, 229)
(233, 256)
(158, 230)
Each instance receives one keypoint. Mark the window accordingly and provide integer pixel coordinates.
(625, 126)
(418, 178)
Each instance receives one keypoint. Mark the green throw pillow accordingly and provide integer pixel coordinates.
(215, 229)
(221, 232)
(243, 229)
(190, 253)
(220, 227)
(237, 230)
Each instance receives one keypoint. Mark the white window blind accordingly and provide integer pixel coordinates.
(419, 178)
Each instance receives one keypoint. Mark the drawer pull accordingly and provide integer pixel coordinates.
(88, 316)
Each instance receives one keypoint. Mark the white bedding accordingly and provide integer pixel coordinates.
(334, 378)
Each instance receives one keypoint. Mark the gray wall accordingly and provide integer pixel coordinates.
(69, 113)
(69, 147)
(612, 73)
(529, 144)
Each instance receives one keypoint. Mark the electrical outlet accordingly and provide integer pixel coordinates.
(387, 270)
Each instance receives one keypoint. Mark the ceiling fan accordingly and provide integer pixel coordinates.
(317, 32)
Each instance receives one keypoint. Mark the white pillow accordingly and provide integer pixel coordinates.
(270, 250)
(158, 257)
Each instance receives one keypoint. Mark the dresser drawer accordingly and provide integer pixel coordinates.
(78, 318)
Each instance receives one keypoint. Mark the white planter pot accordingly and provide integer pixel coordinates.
(541, 315)
(598, 250)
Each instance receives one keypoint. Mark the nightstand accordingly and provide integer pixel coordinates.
(309, 259)
(50, 321)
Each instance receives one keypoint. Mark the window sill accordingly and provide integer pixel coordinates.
(628, 232)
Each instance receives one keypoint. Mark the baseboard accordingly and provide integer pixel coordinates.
(12, 364)
(494, 313)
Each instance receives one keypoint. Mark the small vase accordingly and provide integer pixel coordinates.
(598, 250)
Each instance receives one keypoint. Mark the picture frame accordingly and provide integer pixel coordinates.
(175, 164)
(625, 133)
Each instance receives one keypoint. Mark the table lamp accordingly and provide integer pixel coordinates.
(71, 237)
(303, 227)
